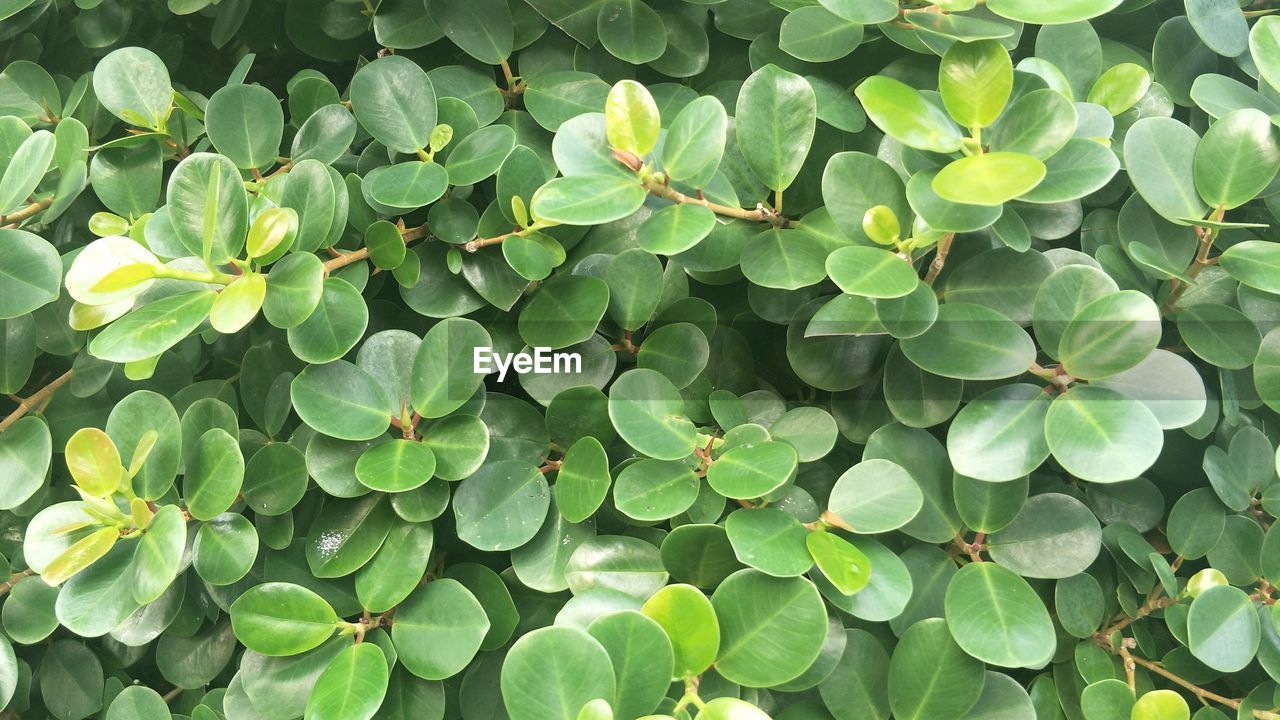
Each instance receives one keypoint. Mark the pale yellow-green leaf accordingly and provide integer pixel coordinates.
(94, 461)
(238, 303)
(631, 118)
(80, 555)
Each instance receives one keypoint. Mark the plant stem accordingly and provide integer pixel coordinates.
(478, 243)
(1201, 261)
(17, 216)
(7, 585)
(939, 259)
(760, 214)
(341, 259)
(211, 277)
(506, 73)
(34, 400)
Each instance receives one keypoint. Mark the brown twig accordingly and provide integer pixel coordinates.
(341, 259)
(17, 216)
(475, 245)
(1202, 260)
(34, 400)
(939, 259)
(759, 214)
(7, 585)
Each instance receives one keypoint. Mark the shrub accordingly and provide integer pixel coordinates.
(592, 359)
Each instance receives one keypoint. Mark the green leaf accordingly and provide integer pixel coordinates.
(1161, 705)
(132, 83)
(771, 629)
(550, 673)
(483, 29)
(347, 533)
(1060, 13)
(616, 564)
(858, 685)
(26, 449)
(776, 120)
(396, 466)
(398, 567)
(208, 207)
(690, 622)
(971, 342)
(295, 285)
(989, 179)
(158, 558)
(769, 540)
(999, 436)
(930, 676)
(650, 490)
(996, 617)
(1160, 157)
(341, 400)
(648, 413)
(334, 327)
(1120, 87)
(214, 475)
(1222, 628)
(865, 12)
(907, 116)
(1220, 335)
(631, 118)
(1110, 335)
(816, 34)
(1221, 25)
(634, 278)
(1054, 536)
(871, 272)
(695, 142)
(408, 185)
(479, 155)
(1102, 436)
(975, 81)
(278, 618)
(238, 304)
(587, 199)
(225, 549)
(784, 259)
(438, 630)
(501, 506)
(393, 99)
(137, 702)
(26, 169)
(1255, 263)
(94, 461)
(631, 31)
(642, 659)
(875, 496)
(844, 565)
(444, 374)
(154, 328)
(1079, 169)
(352, 686)
(1237, 159)
(752, 470)
(245, 123)
(676, 228)
(1264, 46)
(30, 270)
(582, 481)
(1038, 124)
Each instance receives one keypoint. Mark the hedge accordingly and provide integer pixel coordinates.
(617, 359)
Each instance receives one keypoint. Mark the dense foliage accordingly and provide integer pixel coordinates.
(929, 359)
